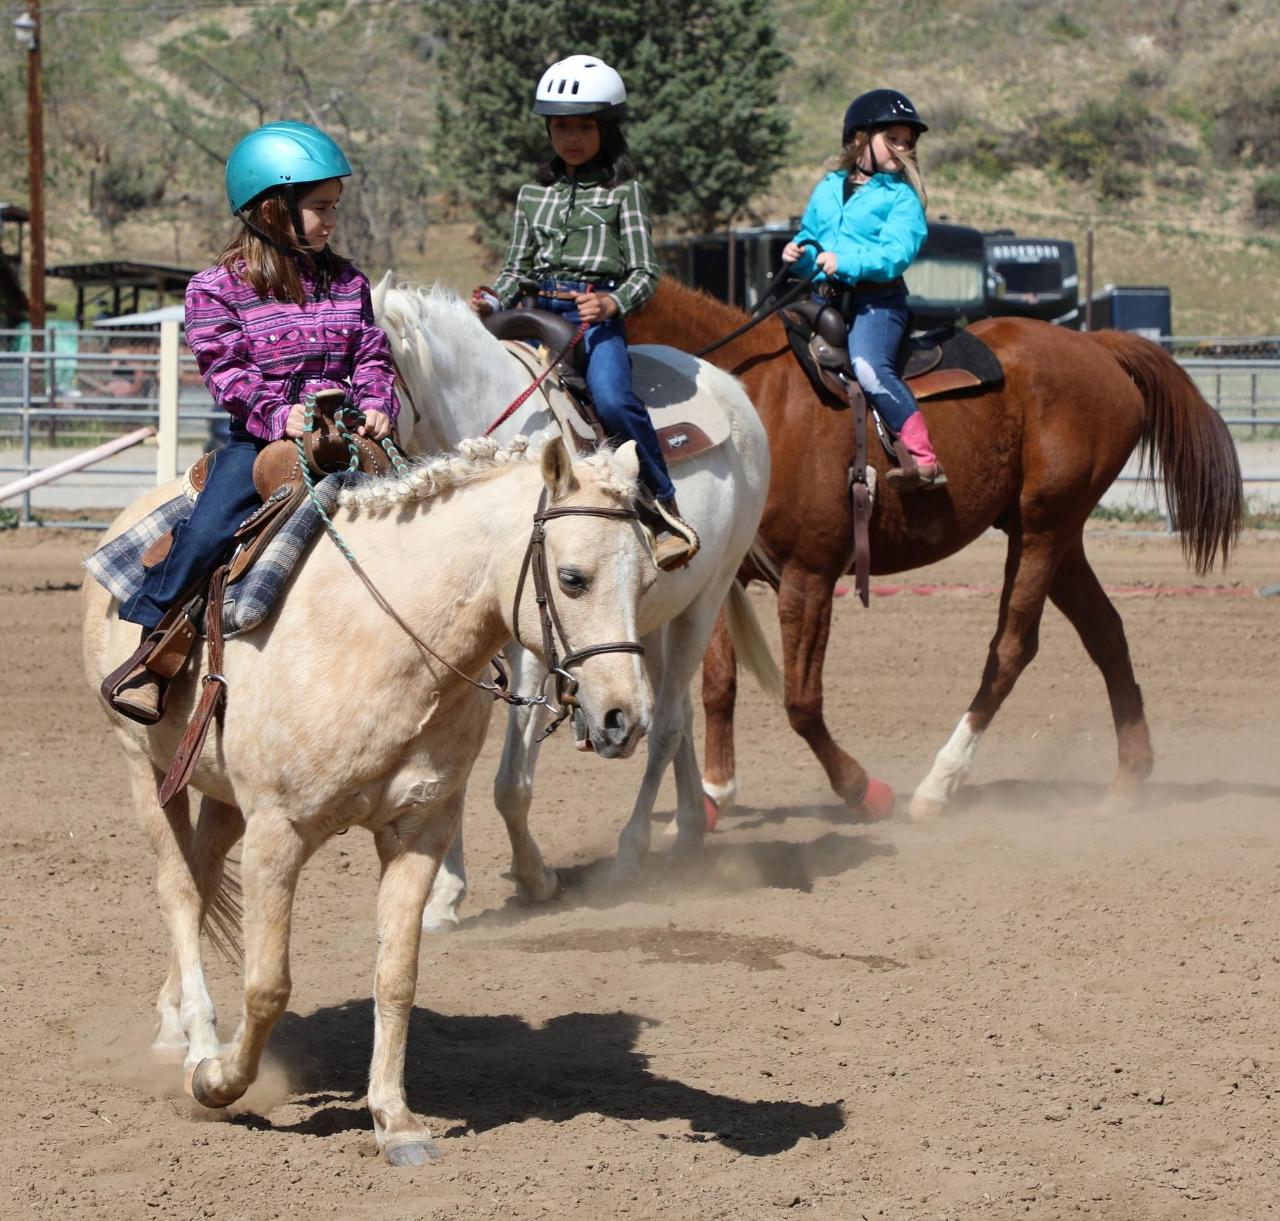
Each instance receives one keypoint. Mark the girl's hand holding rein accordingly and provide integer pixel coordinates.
(295, 420)
(596, 307)
(827, 262)
(376, 426)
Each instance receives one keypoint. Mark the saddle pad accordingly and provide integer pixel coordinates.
(667, 385)
(688, 424)
(117, 565)
(962, 353)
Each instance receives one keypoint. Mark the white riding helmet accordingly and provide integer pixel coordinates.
(581, 84)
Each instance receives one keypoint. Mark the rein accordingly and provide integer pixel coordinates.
(537, 381)
(774, 303)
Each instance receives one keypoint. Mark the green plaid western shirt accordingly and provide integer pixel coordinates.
(581, 230)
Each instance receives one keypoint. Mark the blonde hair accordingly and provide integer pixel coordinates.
(848, 162)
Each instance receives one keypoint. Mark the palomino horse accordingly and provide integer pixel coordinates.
(340, 716)
(1032, 458)
(457, 378)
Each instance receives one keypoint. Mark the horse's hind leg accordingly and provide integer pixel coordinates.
(187, 1019)
(1078, 594)
(719, 694)
(274, 853)
(1029, 569)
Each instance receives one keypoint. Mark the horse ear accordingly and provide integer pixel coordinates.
(557, 470)
(627, 459)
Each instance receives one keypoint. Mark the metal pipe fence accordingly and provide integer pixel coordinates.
(84, 388)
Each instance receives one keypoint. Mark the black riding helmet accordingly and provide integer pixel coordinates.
(880, 108)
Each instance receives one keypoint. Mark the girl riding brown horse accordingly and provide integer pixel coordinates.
(1031, 457)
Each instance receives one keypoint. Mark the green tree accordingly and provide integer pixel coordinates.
(705, 128)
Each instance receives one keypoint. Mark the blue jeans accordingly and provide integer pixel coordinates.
(622, 414)
(204, 539)
(875, 336)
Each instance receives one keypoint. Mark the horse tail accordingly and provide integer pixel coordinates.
(223, 916)
(749, 643)
(1199, 468)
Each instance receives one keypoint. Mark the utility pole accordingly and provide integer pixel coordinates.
(26, 29)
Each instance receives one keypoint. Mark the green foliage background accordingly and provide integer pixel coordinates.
(1158, 126)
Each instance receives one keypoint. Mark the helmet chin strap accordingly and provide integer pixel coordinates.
(291, 202)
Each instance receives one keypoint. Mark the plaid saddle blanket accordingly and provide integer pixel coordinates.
(117, 565)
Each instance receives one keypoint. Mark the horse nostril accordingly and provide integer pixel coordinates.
(615, 726)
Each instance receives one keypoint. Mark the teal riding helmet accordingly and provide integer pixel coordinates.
(281, 154)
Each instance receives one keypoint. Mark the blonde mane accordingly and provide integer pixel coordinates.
(473, 459)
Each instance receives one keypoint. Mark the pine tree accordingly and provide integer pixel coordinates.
(704, 122)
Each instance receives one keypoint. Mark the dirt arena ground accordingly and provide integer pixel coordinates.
(1031, 1007)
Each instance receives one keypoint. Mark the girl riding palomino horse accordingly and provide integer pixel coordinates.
(867, 215)
(277, 313)
(581, 247)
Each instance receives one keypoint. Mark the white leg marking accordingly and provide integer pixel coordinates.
(952, 765)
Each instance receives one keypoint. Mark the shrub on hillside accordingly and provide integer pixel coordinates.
(1266, 201)
(1248, 125)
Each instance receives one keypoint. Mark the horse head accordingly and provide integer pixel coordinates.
(586, 568)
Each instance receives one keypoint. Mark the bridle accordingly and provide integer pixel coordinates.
(535, 561)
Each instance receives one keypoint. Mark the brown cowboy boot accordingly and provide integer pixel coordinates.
(140, 693)
(678, 541)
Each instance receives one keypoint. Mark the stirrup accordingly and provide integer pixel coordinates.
(679, 544)
(904, 481)
(134, 676)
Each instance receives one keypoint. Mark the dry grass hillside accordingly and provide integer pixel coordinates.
(1156, 125)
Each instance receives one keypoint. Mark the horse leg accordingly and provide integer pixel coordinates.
(447, 892)
(692, 819)
(274, 853)
(804, 615)
(513, 785)
(184, 1008)
(409, 849)
(1029, 569)
(1078, 594)
(719, 694)
(671, 657)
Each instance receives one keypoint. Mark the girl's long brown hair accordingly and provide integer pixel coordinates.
(848, 162)
(269, 271)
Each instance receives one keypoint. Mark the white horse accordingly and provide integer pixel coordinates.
(457, 379)
(338, 716)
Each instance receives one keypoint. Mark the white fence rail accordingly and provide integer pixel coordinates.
(82, 389)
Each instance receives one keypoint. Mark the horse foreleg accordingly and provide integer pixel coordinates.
(274, 853)
(1078, 594)
(692, 818)
(410, 849)
(719, 694)
(1028, 573)
(804, 615)
(513, 785)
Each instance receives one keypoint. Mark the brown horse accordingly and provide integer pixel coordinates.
(1032, 457)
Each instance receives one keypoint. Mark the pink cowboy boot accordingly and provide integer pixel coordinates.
(927, 472)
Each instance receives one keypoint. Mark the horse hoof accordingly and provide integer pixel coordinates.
(199, 1088)
(925, 809)
(711, 811)
(413, 1153)
(877, 801)
(440, 924)
(547, 888)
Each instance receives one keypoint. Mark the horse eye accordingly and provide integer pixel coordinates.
(572, 581)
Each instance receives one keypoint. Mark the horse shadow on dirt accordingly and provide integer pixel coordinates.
(1076, 796)
(721, 866)
(490, 1071)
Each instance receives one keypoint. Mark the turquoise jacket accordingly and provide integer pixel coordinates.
(875, 236)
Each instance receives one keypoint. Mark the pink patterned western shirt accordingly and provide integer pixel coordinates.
(257, 356)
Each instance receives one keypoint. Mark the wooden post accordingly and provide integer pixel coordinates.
(167, 439)
(35, 173)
